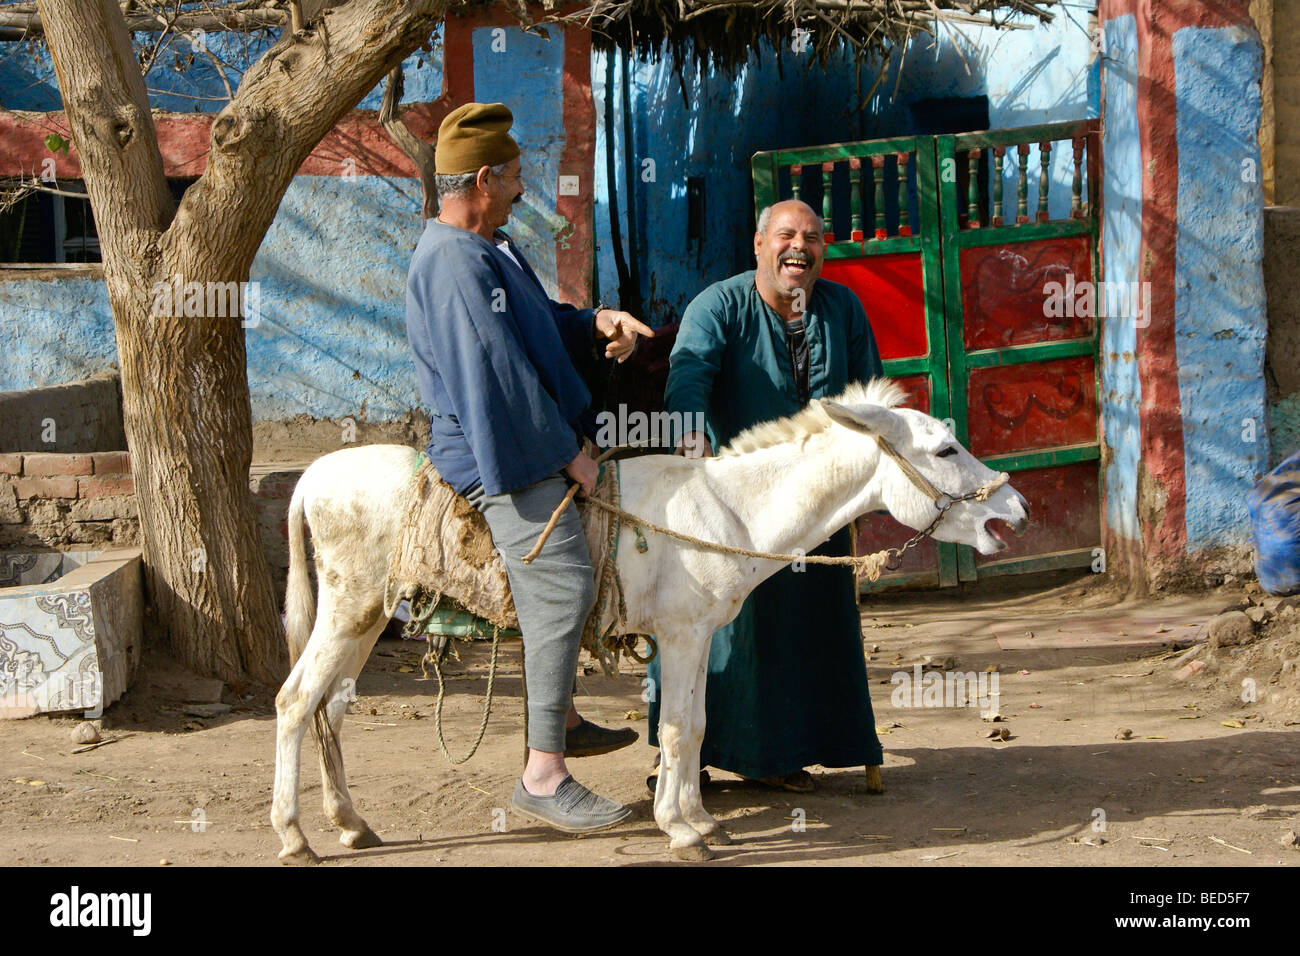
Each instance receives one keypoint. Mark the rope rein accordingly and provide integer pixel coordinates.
(417, 625)
(869, 564)
(890, 559)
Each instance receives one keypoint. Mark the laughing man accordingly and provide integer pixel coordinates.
(787, 683)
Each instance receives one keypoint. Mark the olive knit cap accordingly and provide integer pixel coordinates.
(473, 136)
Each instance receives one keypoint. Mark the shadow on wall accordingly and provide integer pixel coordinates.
(84, 416)
(687, 137)
(673, 147)
(1282, 368)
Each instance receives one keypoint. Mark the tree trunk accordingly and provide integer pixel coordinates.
(184, 377)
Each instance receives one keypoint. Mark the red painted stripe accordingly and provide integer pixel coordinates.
(573, 255)
(1162, 452)
(183, 137)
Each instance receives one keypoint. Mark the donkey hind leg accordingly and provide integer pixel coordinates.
(295, 705)
(692, 801)
(679, 745)
(328, 724)
(362, 627)
(327, 654)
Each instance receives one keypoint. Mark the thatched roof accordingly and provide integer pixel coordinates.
(725, 33)
(721, 32)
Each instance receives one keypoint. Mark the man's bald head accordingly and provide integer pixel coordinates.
(765, 217)
(788, 249)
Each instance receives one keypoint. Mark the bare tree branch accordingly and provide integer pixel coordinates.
(419, 152)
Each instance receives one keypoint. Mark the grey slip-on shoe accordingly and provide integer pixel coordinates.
(589, 740)
(573, 808)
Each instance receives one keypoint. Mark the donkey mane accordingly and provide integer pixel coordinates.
(813, 419)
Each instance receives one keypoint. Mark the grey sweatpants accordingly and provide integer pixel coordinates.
(552, 596)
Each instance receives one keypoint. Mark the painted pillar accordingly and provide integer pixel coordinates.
(1121, 242)
(1193, 70)
(575, 256)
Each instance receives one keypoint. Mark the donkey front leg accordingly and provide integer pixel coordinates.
(692, 800)
(679, 745)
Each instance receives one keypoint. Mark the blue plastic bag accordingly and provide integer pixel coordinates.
(1274, 506)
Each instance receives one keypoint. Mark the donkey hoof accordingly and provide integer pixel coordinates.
(693, 853)
(718, 837)
(360, 839)
(874, 783)
(303, 857)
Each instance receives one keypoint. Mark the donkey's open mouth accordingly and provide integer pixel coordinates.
(999, 529)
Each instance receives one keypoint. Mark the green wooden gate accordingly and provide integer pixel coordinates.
(959, 278)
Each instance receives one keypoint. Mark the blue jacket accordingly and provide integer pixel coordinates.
(494, 357)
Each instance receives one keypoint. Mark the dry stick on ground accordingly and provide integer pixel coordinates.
(102, 743)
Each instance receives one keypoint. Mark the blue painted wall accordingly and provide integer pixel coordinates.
(332, 269)
(1219, 296)
(1121, 239)
(1045, 74)
(54, 331)
(183, 79)
(524, 72)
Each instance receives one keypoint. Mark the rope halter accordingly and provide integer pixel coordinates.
(941, 500)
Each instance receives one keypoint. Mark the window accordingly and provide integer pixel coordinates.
(48, 228)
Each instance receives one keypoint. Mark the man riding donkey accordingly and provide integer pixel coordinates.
(494, 356)
(751, 348)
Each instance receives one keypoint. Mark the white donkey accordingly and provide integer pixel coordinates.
(782, 487)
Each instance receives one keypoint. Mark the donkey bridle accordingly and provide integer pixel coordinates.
(942, 500)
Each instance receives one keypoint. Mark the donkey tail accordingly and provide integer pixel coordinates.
(299, 605)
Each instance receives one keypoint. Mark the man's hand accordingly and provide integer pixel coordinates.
(622, 331)
(584, 471)
(695, 445)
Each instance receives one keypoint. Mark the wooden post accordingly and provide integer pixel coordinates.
(904, 222)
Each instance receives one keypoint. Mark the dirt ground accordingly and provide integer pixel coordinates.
(1075, 669)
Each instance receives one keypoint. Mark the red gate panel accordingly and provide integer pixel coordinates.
(1007, 294)
(1015, 408)
(893, 295)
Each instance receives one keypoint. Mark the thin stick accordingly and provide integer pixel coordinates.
(102, 743)
(550, 525)
(123, 839)
(1231, 847)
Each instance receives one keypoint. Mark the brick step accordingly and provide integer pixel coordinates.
(54, 465)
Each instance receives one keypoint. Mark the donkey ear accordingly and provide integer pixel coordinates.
(872, 419)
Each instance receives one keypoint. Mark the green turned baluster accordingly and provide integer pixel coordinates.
(973, 188)
(1076, 187)
(878, 179)
(855, 198)
(904, 224)
(796, 180)
(1045, 158)
(998, 153)
(1022, 184)
(828, 207)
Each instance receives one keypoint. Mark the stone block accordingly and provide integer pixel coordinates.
(64, 486)
(112, 462)
(77, 639)
(10, 513)
(104, 509)
(107, 486)
(44, 464)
